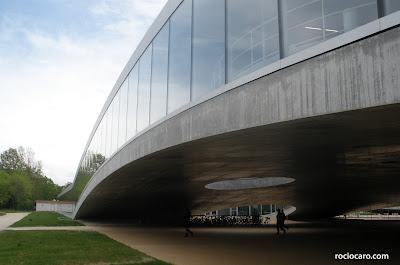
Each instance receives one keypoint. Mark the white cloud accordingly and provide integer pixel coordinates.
(51, 95)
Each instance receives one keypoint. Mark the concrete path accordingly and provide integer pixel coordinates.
(10, 218)
(47, 228)
(247, 246)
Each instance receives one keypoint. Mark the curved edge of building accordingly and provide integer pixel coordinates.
(359, 33)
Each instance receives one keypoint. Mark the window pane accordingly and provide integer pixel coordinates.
(391, 6)
(243, 210)
(144, 90)
(115, 109)
(132, 102)
(253, 36)
(309, 22)
(159, 75)
(109, 131)
(344, 15)
(304, 24)
(122, 113)
(208, 45)
(103, 136)
(180, 53)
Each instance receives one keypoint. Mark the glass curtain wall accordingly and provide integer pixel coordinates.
(159, 76)
(252, 36)
(180, 56)
(109, 131)
(115, 125)
(133, 80)
(123, 91)
(143, 109)
(208, 63)
(390, 6)
(309, 22)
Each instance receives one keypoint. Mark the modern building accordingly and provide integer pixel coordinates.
(55, 206)
(245, 102)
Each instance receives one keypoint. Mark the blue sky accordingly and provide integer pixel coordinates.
(59, 59)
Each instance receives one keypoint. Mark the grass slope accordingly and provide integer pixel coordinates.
(67, 248)
(45, 219)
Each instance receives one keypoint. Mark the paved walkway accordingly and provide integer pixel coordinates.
(47, 228)
(246, 246)
(10, 218)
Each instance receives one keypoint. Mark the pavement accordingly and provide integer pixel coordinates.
(10, 218)
(52, 228)
(304, 244)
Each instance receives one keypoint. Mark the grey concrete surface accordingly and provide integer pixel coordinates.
(51, 228)
(10, 218)
(306, 244)
(330, 122)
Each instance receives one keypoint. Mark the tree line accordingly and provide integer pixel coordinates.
(22, 180)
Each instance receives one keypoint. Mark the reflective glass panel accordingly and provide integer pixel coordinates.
(243, 210)
(132, 102)
(104, 141)
(159, 75)
(303, 23)
(180, 53)
(309, 22)
(344, 15)
(391, 6)
(115, 109)
(208, 46)
(144, 90)
(252, 35)
(109, 131)
(122, 113)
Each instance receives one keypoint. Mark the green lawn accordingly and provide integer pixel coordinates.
(1, 213)
(67, 248)
(45, 219)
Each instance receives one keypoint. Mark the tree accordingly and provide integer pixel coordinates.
(20, 159)
(22, 180)
(12, 160)
(5, 193)
(15, 190)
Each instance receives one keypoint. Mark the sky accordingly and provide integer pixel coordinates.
(59, 60)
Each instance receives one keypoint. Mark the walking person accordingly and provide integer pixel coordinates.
(280, 221)
(284, 217)
(187, 224)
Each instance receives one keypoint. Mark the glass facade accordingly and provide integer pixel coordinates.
(115, 120)
(390, 6)
(180, 56)
(309, 22)
(133, 81)
(252, 36)
(159, 77)
(123, 109)
(208, 66)
(143, 108)
(207, 43)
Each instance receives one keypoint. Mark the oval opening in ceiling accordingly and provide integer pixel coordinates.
(249, 183)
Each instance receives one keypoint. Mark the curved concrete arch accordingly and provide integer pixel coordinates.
(313, 120)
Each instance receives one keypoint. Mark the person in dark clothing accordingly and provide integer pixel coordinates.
(280, 221)
(187, 224)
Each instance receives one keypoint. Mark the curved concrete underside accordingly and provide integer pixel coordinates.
(331, 122)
